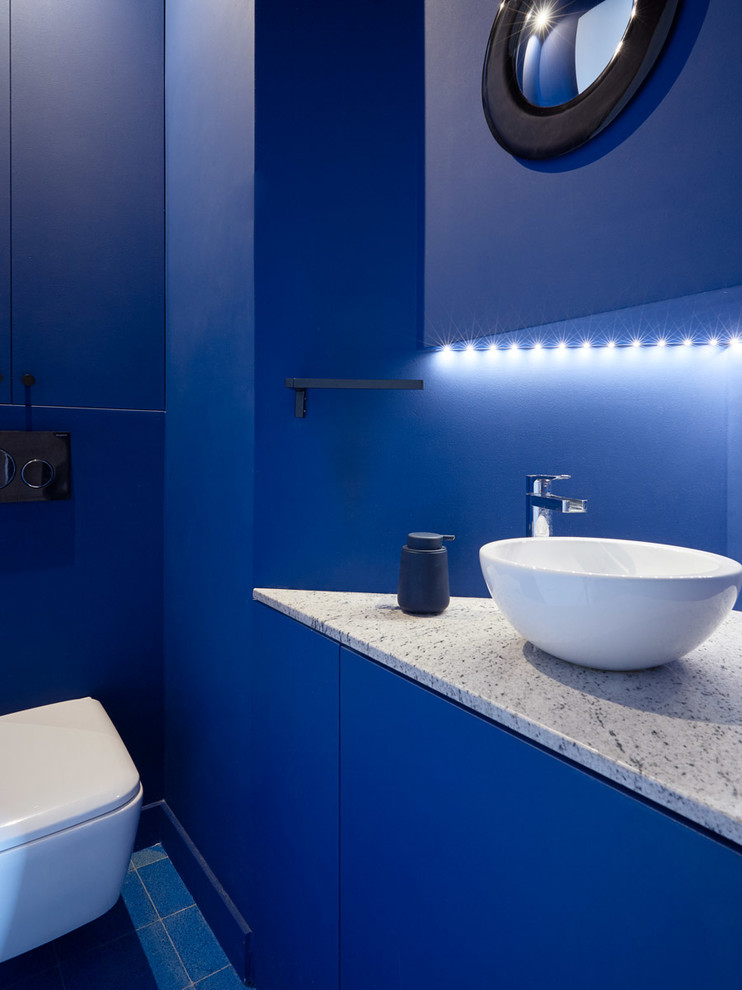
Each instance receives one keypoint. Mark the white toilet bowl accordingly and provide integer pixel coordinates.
(70, 799)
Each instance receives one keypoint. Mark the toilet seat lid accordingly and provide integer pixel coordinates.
(60, 765)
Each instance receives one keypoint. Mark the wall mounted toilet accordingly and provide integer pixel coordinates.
(70, 799)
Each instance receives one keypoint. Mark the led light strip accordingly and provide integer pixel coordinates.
(471, 347)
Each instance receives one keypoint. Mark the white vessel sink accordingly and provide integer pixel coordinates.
(610, 604)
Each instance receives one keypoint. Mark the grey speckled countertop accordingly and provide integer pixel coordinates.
(672, 733)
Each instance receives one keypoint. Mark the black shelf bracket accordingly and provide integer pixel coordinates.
(300, 386)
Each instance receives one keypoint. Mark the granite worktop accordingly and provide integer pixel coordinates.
(671, 733)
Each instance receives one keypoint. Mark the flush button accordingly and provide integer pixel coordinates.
(7, 468)
(37, 473)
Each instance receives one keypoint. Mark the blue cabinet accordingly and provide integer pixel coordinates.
(292, 813)
(470, 858)
(460, 854)
(87, 173)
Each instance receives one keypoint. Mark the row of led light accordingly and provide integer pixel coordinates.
(562, 345)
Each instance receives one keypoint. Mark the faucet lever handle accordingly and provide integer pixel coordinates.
(539, 484)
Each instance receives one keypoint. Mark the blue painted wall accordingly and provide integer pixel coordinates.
(338, 243)
(209, 431)
(81, 580)
(509, 243)
(5, 200)
(87, 175)
(648, 436)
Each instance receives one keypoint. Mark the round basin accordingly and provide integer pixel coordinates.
(610, 604)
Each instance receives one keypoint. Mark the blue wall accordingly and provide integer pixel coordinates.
(649, 436)
(509, 243)
(338, 249)
(87, 184)
(81, 580)
(209, 432)
(5, 198)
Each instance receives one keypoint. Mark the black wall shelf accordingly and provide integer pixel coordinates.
(300, 386)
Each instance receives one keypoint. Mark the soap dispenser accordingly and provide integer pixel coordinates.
(423, 574)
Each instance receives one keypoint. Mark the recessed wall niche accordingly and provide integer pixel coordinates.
(641, 213)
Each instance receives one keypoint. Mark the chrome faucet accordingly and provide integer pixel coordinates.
(540, 503)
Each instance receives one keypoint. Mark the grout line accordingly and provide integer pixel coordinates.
(172, 914)
(162, 919)
(159, 919)
(151, 862)
(154, 906)
(222, 970)
(157, 911)
(185, 968)
(164, 926)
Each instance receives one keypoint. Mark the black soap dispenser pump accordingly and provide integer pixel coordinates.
(423, 574)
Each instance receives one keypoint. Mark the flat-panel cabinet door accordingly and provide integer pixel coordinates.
(4, 201)
(87, 186)
(292, 820)
(471, 859)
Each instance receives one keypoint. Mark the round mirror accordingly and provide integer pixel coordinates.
(556, 72)
(564, 45)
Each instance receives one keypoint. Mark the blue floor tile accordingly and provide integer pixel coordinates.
(163, 959)
(151, 855)
(139, 906)
(130, 947)
(111, 925)
(225, 979)
(119, 965)
(165, 887)
(201, 953)
(29, 964)
(50, 980)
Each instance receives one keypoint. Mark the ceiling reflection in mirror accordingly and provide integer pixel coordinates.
(563, 46)
(556, 72)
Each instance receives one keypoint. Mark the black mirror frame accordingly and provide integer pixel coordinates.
(534, 132)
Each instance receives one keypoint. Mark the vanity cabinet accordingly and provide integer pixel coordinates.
(471, 858)
(293, 806)
(87, 186)
(467, 856)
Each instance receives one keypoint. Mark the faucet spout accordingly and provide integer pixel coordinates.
(555, 503)
(540, 503)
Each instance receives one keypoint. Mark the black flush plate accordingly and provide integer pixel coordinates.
(34, 466)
